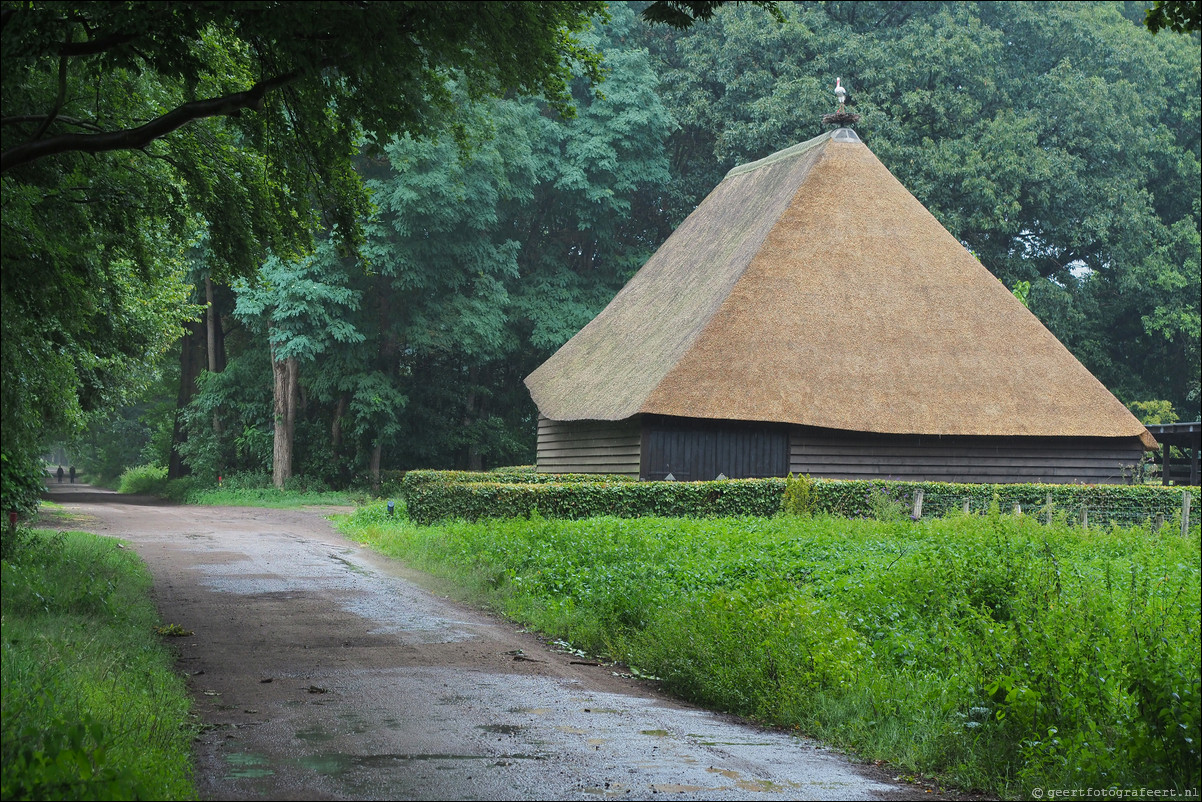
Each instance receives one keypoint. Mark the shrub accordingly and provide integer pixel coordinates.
(438, 495)
(143, 480)
(799, 498)
(22, 481)
(580, 498)
(412, 480)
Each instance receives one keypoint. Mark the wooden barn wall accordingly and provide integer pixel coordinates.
(856, 455)
(588, 446)
(699, 450)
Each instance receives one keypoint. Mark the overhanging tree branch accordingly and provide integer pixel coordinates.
(134, 138)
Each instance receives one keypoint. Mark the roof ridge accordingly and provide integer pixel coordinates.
(780, 155)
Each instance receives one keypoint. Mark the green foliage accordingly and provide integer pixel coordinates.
(132, 130)
(885, 503)
(993, 651)
(1181, 16)
(92, 707)
(585, 497)
(414, 480)
(1152, 412)
(486, 258)
(240, 399)
(799, 498)
(143, 480)
(1022, 291)
(22, 480)
(439, 495)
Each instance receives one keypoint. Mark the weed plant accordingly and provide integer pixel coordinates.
(91, 706)
(991, 650)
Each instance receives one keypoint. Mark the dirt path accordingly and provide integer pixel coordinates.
(324, 671)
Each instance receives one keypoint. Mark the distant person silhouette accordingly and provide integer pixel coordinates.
(72, 474)
(60, 474)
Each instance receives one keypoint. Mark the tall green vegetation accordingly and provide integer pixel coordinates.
(484, 254)
(92, 706)
(990, 650)
(130, 130)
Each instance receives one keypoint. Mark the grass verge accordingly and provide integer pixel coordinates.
(991, 651)
(271, 497)
(244, 490)
(91, 706)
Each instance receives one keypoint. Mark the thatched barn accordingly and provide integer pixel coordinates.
(811, 316)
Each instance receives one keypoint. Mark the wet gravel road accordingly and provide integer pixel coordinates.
(322, 670)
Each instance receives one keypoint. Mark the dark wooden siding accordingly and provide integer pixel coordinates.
(699, 450)
(588, 446)
(858, 455)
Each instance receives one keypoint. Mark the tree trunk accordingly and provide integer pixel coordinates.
(475, 462)
(215, 343)
(336, 426)
(374, 467)
(189, 368)
(284, 391)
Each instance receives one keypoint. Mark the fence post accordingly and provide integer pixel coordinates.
(966, 506)
(1185, 500)
(1084, 516)
(1159, 522)
(1018, 508)
(917, 514)
(1047, 519)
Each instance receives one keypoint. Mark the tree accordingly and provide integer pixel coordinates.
(1182, 16)
(488, 250)
(128, 129)
(302, 310)
(489, 263)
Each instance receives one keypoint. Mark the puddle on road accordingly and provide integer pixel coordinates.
(356, 723)
(244, 765)
(315, 735)
(355, 569)
(660, 733)
(334, 764)
(454, 700)
(610, 790)
(538, 711)
(500, 729)
(703, 740)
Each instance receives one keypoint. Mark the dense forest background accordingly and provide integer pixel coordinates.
(1059, 141)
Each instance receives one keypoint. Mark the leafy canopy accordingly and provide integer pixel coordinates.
(297, 85)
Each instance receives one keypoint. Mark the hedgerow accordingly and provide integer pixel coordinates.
(441, 495)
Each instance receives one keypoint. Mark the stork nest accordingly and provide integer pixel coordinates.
(840, 118)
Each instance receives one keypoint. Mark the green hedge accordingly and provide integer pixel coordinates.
(1126, 504)
(576, 498)
(438, 495)
(522, 474)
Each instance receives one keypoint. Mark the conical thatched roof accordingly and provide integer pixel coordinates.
(811, 288)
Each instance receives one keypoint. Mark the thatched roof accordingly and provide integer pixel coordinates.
(811, 288)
